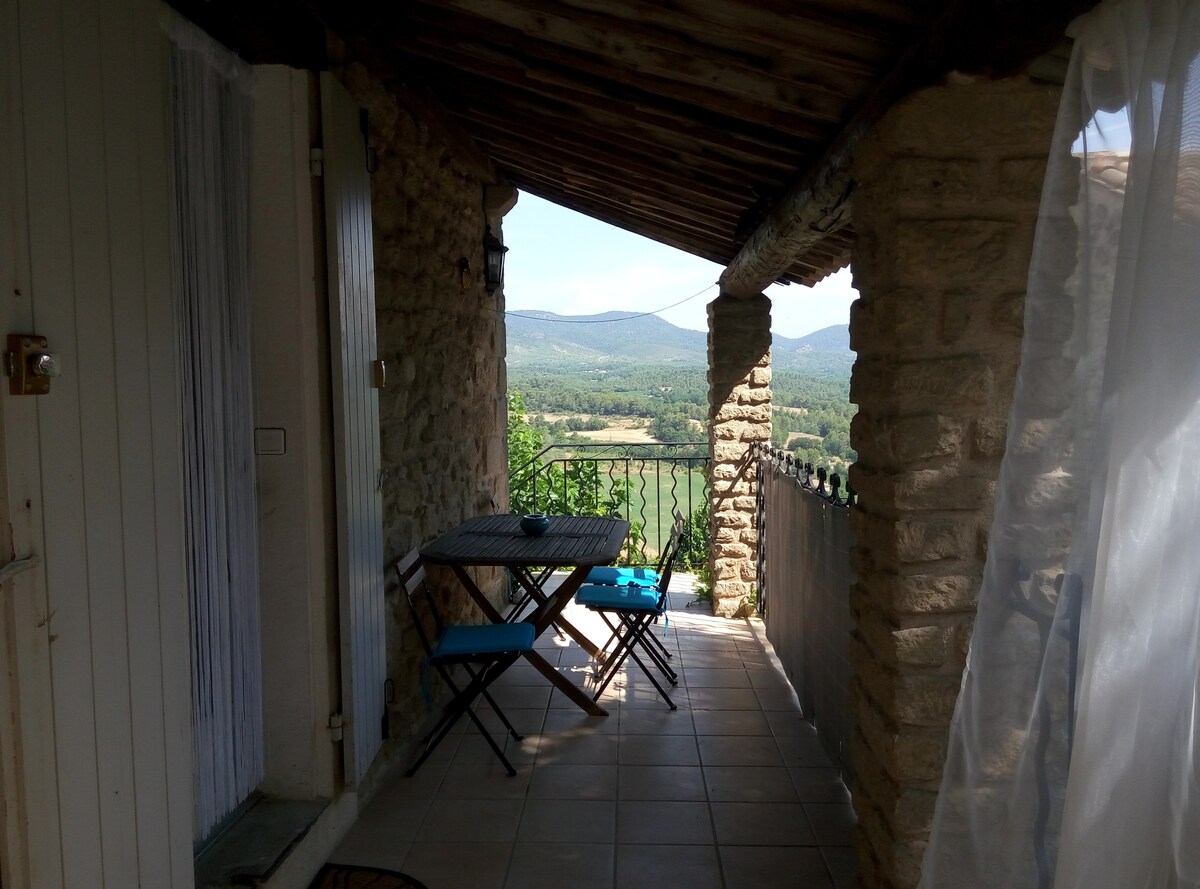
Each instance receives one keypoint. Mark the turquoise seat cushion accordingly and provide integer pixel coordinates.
(624, 598)
(621, 576)
(484, 639)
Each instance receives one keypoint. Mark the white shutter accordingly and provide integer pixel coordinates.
(356, 424)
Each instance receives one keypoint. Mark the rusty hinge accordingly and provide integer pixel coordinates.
(316, 162)
(335, 727)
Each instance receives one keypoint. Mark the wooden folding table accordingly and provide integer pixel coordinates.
(576, 542)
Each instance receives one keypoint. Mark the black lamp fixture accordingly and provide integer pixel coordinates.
(493, 254)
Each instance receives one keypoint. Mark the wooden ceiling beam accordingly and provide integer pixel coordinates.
(670, 55)
(818, 200)
(650, 113)
(618, 206)
(699, 191)
(623, 147)
(695, 216)
(843, 36)
(557, 68)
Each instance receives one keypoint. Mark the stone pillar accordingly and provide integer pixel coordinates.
(739, 413)
(948, 190)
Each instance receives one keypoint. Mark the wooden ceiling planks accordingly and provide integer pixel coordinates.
(683, 120)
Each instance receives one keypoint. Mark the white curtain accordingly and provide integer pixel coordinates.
(1072, 761)
(211, 161)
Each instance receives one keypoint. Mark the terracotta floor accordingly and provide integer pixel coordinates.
(731, 790)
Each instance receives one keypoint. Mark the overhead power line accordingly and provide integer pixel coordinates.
(612, 320)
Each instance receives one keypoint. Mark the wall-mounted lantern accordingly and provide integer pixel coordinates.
(493, 254)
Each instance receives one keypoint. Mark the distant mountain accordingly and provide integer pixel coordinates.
(536, 337)
(546, 339)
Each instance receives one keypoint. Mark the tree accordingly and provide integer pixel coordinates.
(561, 488)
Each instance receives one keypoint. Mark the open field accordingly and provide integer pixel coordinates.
(620, 434)
(792, 436)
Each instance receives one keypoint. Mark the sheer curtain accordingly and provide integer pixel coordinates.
(211, 115)
(1071, 760)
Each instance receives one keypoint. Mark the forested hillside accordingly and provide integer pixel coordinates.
(645, 380)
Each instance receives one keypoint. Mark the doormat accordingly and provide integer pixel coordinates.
(346, 876)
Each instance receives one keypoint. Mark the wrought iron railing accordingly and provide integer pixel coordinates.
(804, 576)
(645, 484)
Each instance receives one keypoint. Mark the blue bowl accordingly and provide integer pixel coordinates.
(535, 524)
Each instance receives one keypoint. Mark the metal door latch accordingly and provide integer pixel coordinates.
(30, 367)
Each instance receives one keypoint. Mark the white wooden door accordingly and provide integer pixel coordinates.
(356, 424)
(94, 639)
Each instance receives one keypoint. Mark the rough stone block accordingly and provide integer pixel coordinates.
(731, 551)
(922, 646)
(732, 431)
(1021, 178)
(988, 438)
(756, 414)
(896, 322)
(923, 489)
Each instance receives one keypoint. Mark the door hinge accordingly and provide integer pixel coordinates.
(316, 162)
(335, 727)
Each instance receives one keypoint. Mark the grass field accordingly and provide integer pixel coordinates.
(654, 506)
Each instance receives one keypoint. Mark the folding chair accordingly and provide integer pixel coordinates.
(623, 575)
(630, 611)
(484, 651)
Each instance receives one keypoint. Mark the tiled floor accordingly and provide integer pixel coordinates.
(731, 790)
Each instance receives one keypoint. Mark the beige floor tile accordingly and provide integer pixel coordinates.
(763, 867)
(475, 820)
(658, 750)
(459, 865)
(474, 749)
(702, 659)
(749, 784)
(517, 697)
(788, 723)
(659, 721)
(744, 750)
(573, 781)
(762, 824)
(728, 677)
(526, 720)
(832, 823)
(765, 677)
(723, 699)
(730, 722)
(777, 699)
(803, 750)
(559, 865)
(568, 821)
(661, 783)
(819, 785)
(485, 779)
(388, 820)
(574, 721)
(586, 749)
(662, 822)
(631, 799)
(660, 867)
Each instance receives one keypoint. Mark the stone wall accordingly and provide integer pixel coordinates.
(443, 412)
(739, 413)
(948, 191)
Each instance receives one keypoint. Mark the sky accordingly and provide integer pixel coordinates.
(564, 262)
